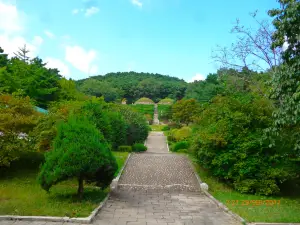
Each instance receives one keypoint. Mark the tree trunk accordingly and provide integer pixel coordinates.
(80, 187)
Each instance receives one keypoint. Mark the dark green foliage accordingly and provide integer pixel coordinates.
(185, 111)
(124, 148)
(137, 85)
(285, 131)
(80, 151)
(137, 127)
(139, 147)
(118, 126)
(165, 128)
(228, 142)
(30, 79)
(180, 146)
(286, 22)
(204, 91)
(98, 88)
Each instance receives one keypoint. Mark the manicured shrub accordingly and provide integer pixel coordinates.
(165, 128)
(79, 151)
(137, 147)
(118, 126)
(228, 141)
(182, 134)
(137, 127)
(124, 148)
(179, 146)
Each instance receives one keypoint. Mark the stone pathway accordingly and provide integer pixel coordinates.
(157, 187)
(155, 117)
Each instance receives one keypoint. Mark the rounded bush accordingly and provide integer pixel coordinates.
(124, 148)
(144, 101)
(180, 145)
(139, 147)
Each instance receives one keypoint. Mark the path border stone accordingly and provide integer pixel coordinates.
(223, 207)
(82, 220)
(219, 204)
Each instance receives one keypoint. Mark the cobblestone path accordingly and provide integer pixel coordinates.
(156, 187)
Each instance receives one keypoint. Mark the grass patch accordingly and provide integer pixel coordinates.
(288, 211)
(157, 127)
(20, 194)
(164, 112)
(121, 158)
(146, 110)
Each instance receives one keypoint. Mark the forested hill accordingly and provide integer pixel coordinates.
(132, 86)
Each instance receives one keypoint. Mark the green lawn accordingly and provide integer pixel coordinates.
(287, 211)
(20, 194)
(157, 127)
(144, 109)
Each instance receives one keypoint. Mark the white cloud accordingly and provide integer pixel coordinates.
(82, 59)
(137, 3)
(11, 27)
(75, 11)
(49, 34)
(10, 19)
(90, 11)
(198, 76)
(37, 40)
(58, 64)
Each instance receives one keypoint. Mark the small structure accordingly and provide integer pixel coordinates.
(166, 101)
(144, 101)
(124, 101)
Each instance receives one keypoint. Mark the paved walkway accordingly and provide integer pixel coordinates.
(155, 116)
(157, 187)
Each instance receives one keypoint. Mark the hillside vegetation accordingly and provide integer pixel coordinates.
(132, 86)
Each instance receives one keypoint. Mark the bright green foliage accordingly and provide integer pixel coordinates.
(98, 88)
(137, 127)
(180, 146)
(286, 22)
(146, 110)
(68, 91)
(46, 129)
(181, 134)
(137, 147)
(17, 117)
(164, 112)
(80, 151)
(185, 111)
(124, 148)
(167, 101)
(228, 142)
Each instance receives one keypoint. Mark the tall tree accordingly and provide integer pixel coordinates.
(286, 79)
(3, 58)
(252, 48)
(286, 22)
(22, 53)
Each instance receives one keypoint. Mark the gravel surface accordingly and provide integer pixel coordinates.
(159, 171)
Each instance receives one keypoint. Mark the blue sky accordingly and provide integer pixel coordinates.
(90, 37)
